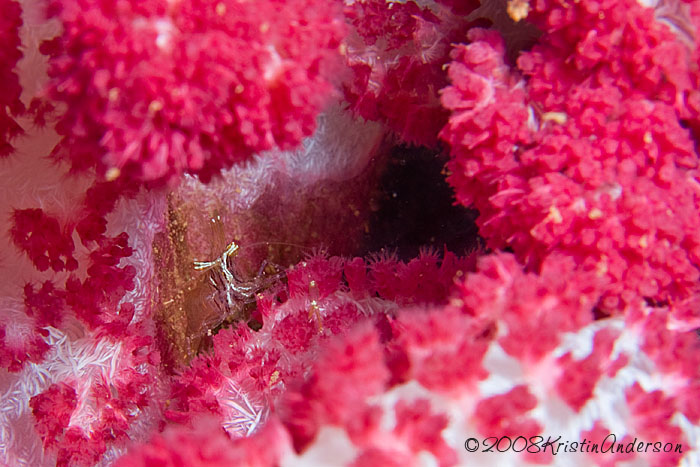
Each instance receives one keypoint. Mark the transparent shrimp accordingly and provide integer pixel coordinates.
(224, 289)
(219, 285)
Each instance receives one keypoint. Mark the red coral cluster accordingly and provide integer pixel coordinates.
(154, 89)
(452, 359)
(10, 105)
(46, 304)
(95, 299)
(52, 410)
(396, 53)
(580, 156)
(78, 421)
(208, 446)
(46, 243)
(43, 239)
(325, 299)
(584, 148)
(104, 379)
(586, 169)
(21, 341)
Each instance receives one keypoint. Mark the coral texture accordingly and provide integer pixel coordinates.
(584, 148)
(186, 272)
(154, 89)
(10, 105)
(395, 52)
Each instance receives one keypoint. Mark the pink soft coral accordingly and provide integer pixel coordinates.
(79, 419)
(395, 53)
(21, 341)
(79, 344)
(10, 105)
(154, 89)
(583, 166)
(43, 239)
(207, 446)
(248, 372)
(578, 151)
(462, 375)
(47, 243)
(455, 358)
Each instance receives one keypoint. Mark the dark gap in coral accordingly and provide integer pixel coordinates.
(415, 208)
(599, 313)
(654, 303)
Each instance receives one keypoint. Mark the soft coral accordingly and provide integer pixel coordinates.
(156, 89)
(10, 104)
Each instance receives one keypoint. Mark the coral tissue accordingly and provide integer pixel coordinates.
(190, 188)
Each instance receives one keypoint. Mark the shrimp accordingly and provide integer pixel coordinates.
(231, 296)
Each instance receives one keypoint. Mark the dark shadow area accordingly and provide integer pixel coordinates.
(415, 208)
